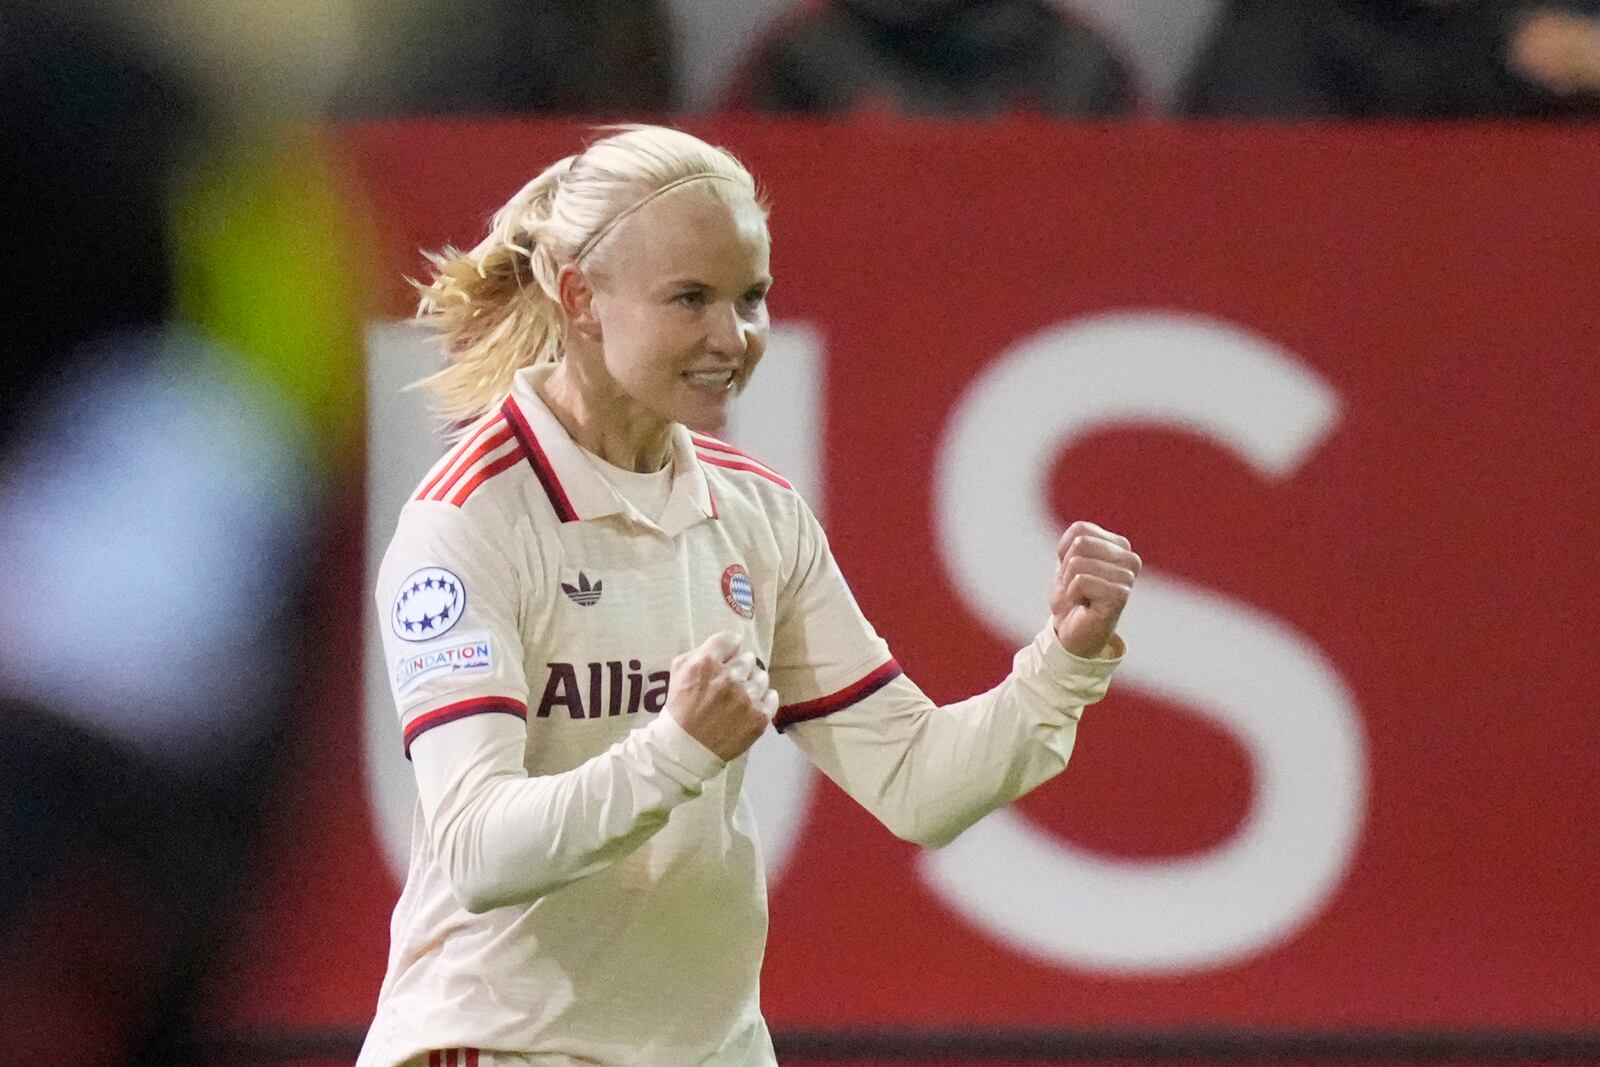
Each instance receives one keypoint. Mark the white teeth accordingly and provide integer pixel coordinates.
(721, 377)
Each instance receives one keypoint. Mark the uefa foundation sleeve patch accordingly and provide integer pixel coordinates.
(427, 604)
(467, 654)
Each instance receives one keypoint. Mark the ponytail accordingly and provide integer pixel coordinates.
(496, 307)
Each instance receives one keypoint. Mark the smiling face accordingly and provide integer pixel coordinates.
(671, 319)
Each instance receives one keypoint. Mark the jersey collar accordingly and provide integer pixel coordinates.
(576, 489)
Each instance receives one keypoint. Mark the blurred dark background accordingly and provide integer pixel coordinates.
(186, 294)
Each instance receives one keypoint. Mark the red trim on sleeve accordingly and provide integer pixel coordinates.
(460, 710)
(790, 714)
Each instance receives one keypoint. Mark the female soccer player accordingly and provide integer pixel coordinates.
(593, 609)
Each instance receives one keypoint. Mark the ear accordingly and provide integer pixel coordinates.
(577, 301)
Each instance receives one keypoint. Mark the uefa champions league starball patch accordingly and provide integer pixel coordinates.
(738, 592)
(427, 604)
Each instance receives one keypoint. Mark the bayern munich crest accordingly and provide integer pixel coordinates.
(738, 592)
(428, 603)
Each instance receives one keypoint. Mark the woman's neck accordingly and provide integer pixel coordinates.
(604, 420)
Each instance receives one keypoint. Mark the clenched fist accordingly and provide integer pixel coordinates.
(1094, 576)
(720, 697)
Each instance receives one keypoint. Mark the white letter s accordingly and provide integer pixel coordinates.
(1253, 675)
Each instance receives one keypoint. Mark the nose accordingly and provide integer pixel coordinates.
(726, 332)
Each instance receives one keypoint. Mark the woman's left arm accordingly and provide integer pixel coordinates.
(929, 772)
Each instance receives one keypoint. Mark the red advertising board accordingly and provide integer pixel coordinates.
(1338, 385)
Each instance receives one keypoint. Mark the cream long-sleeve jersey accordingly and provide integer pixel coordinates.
(585, 884)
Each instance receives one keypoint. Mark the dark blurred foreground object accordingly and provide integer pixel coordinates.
(176, 343)
(111, 864)
(965, 57)
(90, 130)
(484, 57)
(1407, 59)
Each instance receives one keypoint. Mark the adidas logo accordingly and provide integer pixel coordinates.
(582, 594)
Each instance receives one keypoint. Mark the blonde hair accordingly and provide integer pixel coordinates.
(497, 308)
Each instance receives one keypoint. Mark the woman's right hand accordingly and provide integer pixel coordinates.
(720, 697)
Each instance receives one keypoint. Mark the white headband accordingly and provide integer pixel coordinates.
(595, 237)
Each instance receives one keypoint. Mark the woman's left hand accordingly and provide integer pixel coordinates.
(1094, 577)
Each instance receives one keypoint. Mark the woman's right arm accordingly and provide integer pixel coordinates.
(450, 598)
(503, 837)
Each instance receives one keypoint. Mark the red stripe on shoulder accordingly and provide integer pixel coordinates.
(499, 466)
(712, 444)
(851, 694)
(460, 710)
(453, 458)
(707, 441)
(484, 447)
(741, 465)
(720, 453)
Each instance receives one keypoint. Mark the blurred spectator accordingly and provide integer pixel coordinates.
(1416, 59)
(164, 443)
(1558, 49)
(481, 57)
(972, 57)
